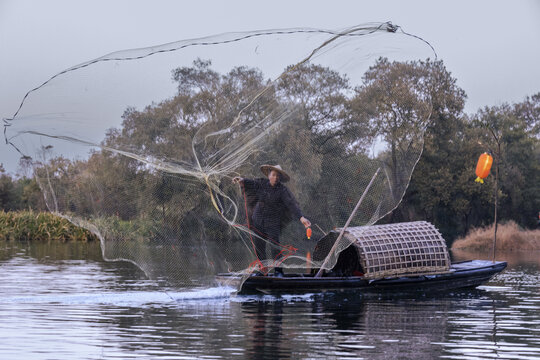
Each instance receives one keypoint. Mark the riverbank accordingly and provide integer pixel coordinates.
(40, 226)
(509, 237)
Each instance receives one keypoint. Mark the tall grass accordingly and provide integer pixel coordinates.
(509, 237)
(40, 226)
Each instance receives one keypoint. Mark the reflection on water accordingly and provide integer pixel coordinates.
(60, 301)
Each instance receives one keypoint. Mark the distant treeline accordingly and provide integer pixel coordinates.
(442, 189)
(20, 193)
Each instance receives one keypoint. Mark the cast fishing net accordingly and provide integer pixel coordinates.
(146, 162)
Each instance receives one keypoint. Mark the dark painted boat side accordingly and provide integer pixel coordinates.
(461, 275)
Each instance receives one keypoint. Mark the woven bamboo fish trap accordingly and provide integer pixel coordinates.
(415, 248)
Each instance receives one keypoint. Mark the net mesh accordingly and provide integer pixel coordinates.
(148, 164)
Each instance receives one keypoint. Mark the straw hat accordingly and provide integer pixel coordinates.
(267, 168)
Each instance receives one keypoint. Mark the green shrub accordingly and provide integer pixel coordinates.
(40, 226)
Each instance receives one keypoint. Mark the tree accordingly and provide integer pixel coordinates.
(322, 95)
(6, 190)
(529, 112)
(394, 100)
(439, 190)
(518, 159)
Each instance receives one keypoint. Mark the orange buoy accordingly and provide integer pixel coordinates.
(308, 262)
(483, 167)
(308, 233)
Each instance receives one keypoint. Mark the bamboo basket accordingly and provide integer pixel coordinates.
(412, 248)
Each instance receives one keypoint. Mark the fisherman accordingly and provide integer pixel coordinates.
(270, 206)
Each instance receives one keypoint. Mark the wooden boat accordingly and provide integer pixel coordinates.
(465, 274)
(400, 257)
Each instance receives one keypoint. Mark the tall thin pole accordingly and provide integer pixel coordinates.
(319, 273)
(497, 162)
(496, 200)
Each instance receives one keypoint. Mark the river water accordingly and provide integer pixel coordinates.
(61, 301)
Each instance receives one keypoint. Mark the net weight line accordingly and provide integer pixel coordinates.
(319, 273)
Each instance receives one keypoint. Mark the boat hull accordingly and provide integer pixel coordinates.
(461, 275)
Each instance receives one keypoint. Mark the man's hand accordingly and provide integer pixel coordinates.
(305, 221)
(237, 180)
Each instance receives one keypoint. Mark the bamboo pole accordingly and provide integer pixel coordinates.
(497, 162)
(319, 273)
(496, 202)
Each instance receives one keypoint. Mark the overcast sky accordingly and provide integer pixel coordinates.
(491, 47)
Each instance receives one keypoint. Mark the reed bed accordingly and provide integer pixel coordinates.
(40, 226)
(509, 237)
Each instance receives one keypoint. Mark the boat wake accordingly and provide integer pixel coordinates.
(137, 298)
(126, 298)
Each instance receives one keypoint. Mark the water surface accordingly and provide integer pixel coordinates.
(61, 301)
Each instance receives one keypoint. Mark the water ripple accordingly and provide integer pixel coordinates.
(70, 308)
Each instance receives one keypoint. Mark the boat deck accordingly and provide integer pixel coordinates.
(461, 275)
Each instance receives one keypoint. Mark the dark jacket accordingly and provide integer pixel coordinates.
(270, 208)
